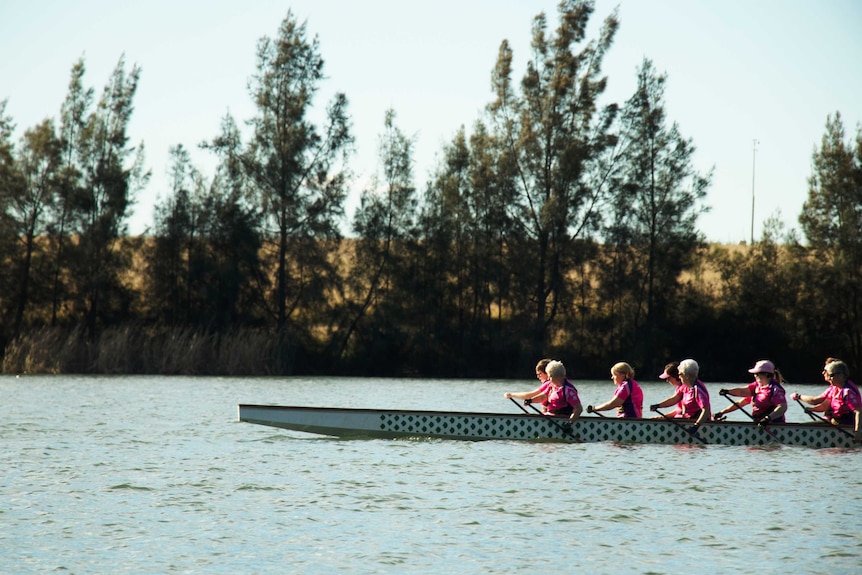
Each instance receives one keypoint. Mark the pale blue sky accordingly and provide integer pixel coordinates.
(737, 70)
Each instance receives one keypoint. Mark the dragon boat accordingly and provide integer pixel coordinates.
(475, 426)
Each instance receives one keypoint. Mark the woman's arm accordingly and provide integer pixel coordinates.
(733, 406)
(705, 416)
(672, 400)
(523, 394)
(615, 402)
(809, 399)
(736, 391)
(857, 426)
(821, 406)
(777, 412)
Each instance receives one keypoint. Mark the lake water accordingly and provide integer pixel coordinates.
(155, 475)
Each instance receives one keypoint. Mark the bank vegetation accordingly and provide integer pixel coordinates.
(557, 225)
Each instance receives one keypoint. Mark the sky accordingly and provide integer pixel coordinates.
(737, 71)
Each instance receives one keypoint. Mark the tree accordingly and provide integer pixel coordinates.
(102, 174)
(204, 253)
(73, 119)
(176, 240)
(831, 219)
(553, 133)
(11, 184)
(758, 303)
(297, 173)
(380, 275)
(651, 231)
(38, 168)
(465, 225)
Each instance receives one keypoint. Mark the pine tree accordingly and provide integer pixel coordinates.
(651, 231)
(831, 220)
(296, 172)
(385, 227)
(103, 174)
(38, 165)
(554, 134)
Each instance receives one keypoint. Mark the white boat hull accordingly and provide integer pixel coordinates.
(380, 423)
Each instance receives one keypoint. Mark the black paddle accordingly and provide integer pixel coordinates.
(820, 418)
(681, 426)
(760, 424)
(591, 410)
(521, 407)
(565, 430)
(806, 410)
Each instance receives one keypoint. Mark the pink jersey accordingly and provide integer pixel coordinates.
(633, 399)
(543, 389)
(828, 393)
(694, 399)
(561, 400)
(765, 398)
(845, 399)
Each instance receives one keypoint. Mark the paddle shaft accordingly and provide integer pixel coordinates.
(739, 407)
(821, 418)
(681, 426)
(806, 410)
(557, 425)
(751, 417)
(521, 407)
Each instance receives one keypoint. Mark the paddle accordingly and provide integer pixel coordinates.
(806, 410)
(591, 410)
(820, 418)
(521, 407)
(566, 431)
(681, 426)
(760, 424)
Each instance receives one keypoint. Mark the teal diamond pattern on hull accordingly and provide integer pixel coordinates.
(475, 427)
(592, 429)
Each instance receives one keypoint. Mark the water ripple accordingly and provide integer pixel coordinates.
(175, 486)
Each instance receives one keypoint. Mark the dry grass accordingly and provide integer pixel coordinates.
(139, 350)
(136, 349)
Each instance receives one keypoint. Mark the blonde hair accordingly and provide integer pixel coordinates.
(624, 369)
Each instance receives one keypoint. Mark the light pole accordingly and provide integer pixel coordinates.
(753, 164)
